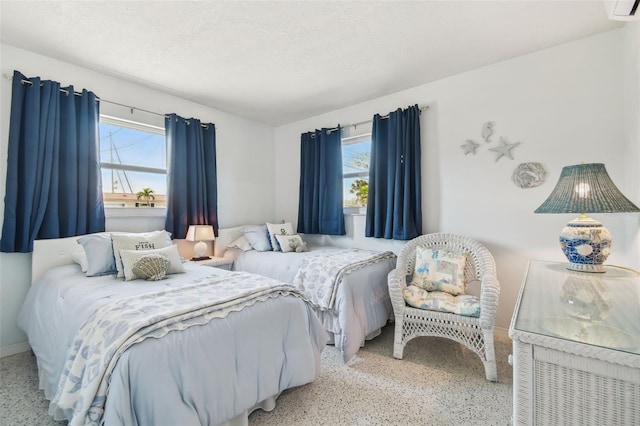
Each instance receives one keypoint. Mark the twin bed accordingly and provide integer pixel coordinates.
(359, 306)
(202, 347)
(211, 363)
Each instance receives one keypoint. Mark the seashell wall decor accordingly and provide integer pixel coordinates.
(529, 175)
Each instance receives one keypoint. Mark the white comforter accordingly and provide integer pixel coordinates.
(361, 304)
(205, 374)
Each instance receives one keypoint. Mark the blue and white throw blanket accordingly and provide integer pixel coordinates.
(115, 326)
(320, 275)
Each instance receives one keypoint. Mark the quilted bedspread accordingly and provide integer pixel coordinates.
(117, 325)
(319, 275)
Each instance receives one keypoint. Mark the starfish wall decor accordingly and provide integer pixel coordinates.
(470, 147)
(504, 150)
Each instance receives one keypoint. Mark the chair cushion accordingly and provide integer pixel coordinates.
(464, 304)
(439, 270)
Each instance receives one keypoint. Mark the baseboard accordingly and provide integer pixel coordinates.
(501, 334)
(14, 349)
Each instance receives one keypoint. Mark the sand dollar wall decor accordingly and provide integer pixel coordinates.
(529, 175)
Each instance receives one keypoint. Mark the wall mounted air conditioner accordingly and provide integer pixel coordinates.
(622, 10)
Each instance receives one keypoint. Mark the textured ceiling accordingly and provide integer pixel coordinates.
(278, 62)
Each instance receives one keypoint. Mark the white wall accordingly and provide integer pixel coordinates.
(564, 104)
(568, 104)
(631, 107)
(245, 179)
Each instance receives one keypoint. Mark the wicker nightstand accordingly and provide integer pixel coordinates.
(217, 262)
(576, 347)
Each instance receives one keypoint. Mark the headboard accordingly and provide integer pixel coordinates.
(48, 254)
(51, 253)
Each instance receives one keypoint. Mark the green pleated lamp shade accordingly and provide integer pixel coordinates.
(586, 188)
(582, 189)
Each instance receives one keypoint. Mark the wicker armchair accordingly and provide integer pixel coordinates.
(475, 333)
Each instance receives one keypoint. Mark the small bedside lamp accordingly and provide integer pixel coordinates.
(586, 188)
(200, 233)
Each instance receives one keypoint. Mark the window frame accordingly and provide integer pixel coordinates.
(112, 211)
(352, 140)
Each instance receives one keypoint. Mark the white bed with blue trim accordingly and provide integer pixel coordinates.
(204, 347)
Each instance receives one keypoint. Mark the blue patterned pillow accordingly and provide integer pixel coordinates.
(464, 304)
(439, 270)
(258, 238)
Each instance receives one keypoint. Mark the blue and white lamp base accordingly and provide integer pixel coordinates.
(586, 243)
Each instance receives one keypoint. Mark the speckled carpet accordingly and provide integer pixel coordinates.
(439, 382)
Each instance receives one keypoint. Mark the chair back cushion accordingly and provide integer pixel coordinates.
(465, 304)
(439, 270)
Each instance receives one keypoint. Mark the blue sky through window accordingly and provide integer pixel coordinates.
(122, 145)
(355, 159)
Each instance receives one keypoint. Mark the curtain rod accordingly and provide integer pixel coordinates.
(384, 117)
(355, 125)
(99, 99)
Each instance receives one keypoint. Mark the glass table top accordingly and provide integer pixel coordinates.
(600, 309)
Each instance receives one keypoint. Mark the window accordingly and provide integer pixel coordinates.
(356, 154)
(133, 160)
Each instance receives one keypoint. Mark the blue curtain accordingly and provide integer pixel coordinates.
(320, 209)
(394, 206)
(54, 184)
(192, 191)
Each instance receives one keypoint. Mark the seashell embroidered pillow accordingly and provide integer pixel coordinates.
(131, 257)
(151, 267)
(137, 241)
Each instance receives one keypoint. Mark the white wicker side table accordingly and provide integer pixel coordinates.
(576, 347)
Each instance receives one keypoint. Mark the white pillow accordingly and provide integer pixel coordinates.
(258, 237)
(136, 241)
(278, 229)
(288, 243)
(80, 257)
(131, 257)
(241, 243)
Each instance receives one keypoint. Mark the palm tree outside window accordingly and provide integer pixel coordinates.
(147, 195)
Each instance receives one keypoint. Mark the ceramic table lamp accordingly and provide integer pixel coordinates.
(200, 233)
(582, 189)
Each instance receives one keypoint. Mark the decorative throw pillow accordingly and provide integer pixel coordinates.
(258, 238)
(439, 270)
(131, 257)
(289, 243)
(151, 267)
(278, 229)
(136, 241)
(465, 304)
(241, 243)
(99, 251)
(80, 257)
